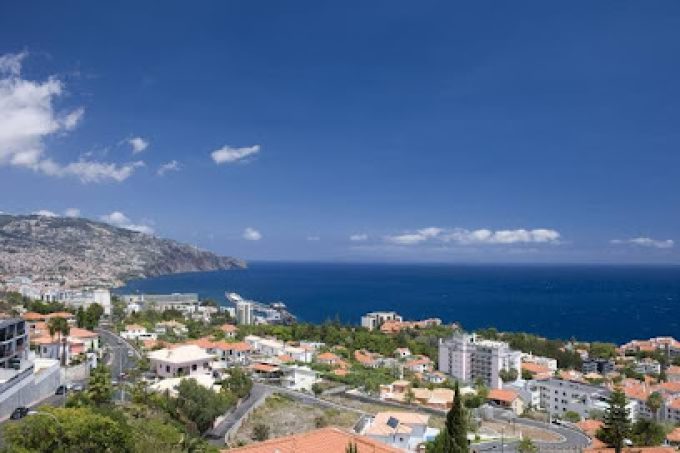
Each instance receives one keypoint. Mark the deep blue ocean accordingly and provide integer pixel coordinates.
(608, 303)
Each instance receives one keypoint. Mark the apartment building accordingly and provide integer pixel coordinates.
(186, 303)
(559, 396)
(244, 313)
(375, 319)
(468, 359)
(13, 342)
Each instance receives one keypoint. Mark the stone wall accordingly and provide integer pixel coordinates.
(30, 390)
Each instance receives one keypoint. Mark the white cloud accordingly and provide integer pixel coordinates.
(72, 212)
(419, 236)
(358, 237)
(138, 144)
(167, 167)
(119, 219)
(313, 238)
(227, 154)
(645, 242)
(251, 234)
(28, 118)
(45, 213)
(482, 236)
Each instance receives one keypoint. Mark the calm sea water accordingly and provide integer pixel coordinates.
(609, 303)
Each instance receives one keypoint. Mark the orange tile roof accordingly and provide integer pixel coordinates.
(239, 346)
(341, 372)
(363, 357)
(264, 367)
(673, 370)
(671, 387)
(203, 343)
(46, 339)
(673, 436)
(507, 396)
(82, 333)
(589, 426)
(327, 440)
(535, 368)
(61, 314)
(675, 404)
(228, 328)
(33, 316)
(134, 327)
(285, 358)
(327, 356)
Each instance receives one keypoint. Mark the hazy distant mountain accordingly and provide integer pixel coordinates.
(85, 251)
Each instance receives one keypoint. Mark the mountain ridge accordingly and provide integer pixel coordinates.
(84, 252)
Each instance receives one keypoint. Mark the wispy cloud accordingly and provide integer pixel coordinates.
(138, 144)
(28, 118)
(482, 236)
(45, 213)
(251, 234)
(227, 154)
(313, 238)
(72, 212)
(168, 167)
(645, 242)
(119, 219)
(358, 237)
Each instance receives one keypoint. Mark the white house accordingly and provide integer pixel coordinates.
(137, 332)
(180, 361)
(298, 377)
(403, 430)
(171, 327)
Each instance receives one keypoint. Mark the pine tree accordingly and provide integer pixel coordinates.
(617, 427)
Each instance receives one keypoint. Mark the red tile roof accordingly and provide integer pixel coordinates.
(507, 396)
(326, 440)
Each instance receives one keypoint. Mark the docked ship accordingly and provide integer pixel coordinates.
(273, 313)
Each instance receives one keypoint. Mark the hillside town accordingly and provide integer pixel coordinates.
(386, 384)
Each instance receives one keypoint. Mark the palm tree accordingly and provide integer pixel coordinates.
(654, 402)
(60, 326)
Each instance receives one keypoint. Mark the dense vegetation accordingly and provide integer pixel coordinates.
(529, 343)
(90, 422)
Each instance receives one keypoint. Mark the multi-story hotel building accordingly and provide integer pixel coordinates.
(469, 359)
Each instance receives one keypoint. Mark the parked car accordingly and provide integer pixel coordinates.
(130, 353)
(77, 387)
(61, 390)
(19, 413)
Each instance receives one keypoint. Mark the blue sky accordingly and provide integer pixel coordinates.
(369, 131)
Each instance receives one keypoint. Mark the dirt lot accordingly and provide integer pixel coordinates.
(512, 430)
(285, 416)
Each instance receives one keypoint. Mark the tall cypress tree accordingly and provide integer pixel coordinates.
(455, 439)
(617, 427)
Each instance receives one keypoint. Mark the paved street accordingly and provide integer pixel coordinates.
(120, 356)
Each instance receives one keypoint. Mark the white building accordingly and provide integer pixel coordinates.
(647, 366)
(547, 362)
(137, 332)
(275, 348)
(82, 299)
(559, 396)
(298, 377)
(375, 319)
(468, 359)
(186, 303)
(180, 361)
(244, 313)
